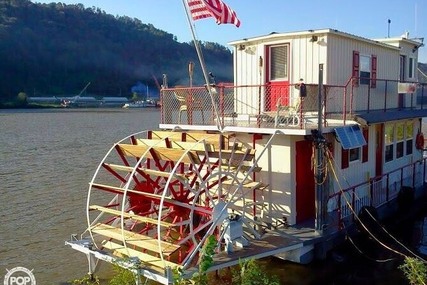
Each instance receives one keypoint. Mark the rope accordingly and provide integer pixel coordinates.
(365, 255)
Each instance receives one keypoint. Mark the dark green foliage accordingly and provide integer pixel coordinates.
(250, 272)
(55, 49)
(122, 276)
(205, 262)
(86, 280)
(415, 271)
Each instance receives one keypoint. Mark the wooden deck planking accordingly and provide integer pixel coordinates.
(144, 257)
(270, 244)
(135, 239)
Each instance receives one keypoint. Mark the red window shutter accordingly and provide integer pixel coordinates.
(344, 158)
(365, 148)
(356, 68)
(373, 71)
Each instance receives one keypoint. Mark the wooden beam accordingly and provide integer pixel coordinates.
(148, 259)
(136, 239)
(148, 171)
(130, 216)
(120, 190)
(161, 153)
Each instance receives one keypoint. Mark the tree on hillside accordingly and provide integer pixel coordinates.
(56, 48)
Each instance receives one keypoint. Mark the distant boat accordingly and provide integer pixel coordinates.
(142, 104)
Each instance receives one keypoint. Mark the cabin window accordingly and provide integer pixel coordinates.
(409, 133)
(400, 136)
(402, 68)
(389, 142)
(279, 62)
(354, 154)
(365, 69)
(398, 139)
(411, 71)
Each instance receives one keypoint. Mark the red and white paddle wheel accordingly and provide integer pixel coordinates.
(157, 196)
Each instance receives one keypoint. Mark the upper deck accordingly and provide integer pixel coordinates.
(268, 109)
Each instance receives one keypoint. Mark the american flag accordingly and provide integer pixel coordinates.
(223, 14)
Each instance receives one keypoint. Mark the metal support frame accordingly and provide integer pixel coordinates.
(133, 264)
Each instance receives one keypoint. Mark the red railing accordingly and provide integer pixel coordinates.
(257, 105)
(376, 192)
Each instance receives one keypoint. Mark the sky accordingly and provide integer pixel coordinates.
(363, 18)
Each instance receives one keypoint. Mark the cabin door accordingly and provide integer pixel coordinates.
(277, 71)
(305, 188)
(379, 150)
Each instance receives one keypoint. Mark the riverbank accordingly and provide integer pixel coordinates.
(12, 105)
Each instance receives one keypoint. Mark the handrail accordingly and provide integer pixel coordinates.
(373, 191)
(237, 102)
(378, 177)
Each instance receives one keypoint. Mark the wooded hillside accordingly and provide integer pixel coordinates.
(56, 49)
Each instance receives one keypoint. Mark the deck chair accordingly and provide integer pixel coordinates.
(184, 105)
(288, 115)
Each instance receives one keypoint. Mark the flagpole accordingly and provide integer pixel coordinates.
(202, 63)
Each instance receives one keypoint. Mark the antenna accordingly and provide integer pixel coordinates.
(416, 19)
(388, 30)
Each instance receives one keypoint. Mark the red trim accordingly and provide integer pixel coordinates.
(379, 149)
(365, 148)
(276, 89)
(344, 158)
(267, 63)
(356, 68)
(374, 71)
(305, 186)
(419, 141)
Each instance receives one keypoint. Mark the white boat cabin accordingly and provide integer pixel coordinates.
(370, 113)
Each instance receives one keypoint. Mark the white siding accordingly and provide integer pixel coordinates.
(335, 51)
(278, 164)
(339, 71)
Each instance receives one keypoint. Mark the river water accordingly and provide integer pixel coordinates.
(47, 158)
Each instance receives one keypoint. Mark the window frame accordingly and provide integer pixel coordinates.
(365, 69)
(411, 68)
(354, 154)
(273, 61)
(401, 141)
(409, 137)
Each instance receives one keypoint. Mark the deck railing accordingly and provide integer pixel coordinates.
(268, 105)
(375, 192)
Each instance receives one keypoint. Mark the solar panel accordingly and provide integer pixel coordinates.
(350, 136)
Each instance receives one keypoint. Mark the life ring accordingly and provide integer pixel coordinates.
(419, 142)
